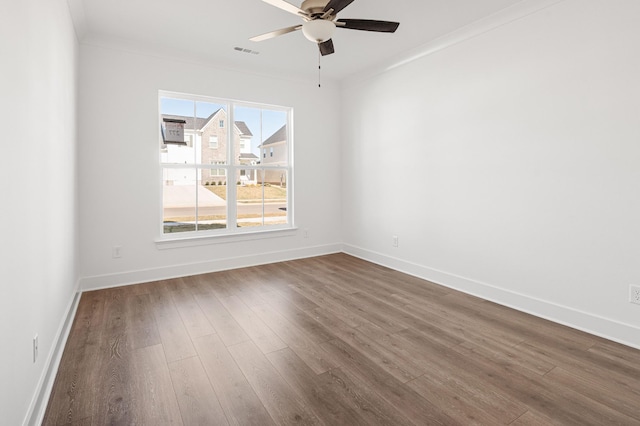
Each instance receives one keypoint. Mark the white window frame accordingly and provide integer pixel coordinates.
(212, 144)
(232, 232)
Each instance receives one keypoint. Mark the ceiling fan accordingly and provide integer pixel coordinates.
(320, 22)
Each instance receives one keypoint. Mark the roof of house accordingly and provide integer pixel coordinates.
(279, 136)
(248, 156)
(244, 130)
(189, 121)
(199, 123)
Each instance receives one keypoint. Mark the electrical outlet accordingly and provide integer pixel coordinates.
(634, 294)
(35, 348)
(395, 241)
(305, 233)
(117, 252)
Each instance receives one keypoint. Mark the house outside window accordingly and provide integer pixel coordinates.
(215, 185)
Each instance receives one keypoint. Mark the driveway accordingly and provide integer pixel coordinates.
(176, 196)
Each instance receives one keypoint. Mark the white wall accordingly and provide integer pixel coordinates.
(508, 165)
(119, 188)
(38, 270)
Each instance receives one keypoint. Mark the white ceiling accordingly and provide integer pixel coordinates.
(210, 29)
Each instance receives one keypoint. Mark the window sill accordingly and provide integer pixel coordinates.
(202, 240)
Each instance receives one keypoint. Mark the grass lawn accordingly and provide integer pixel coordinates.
(251, 192)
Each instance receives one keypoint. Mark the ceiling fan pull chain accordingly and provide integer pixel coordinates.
(319, 69)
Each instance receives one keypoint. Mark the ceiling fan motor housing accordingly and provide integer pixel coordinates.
(314, 6)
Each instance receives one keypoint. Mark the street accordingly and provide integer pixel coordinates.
(252, 209)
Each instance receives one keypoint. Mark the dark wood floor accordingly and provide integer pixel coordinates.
(331, 340)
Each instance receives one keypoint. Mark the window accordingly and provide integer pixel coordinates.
(215, 173)
(208, 188)
(270, 152)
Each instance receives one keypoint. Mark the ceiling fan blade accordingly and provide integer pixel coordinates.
(276, 33)
(337, 5)
(368, 25)
(326, 48)
(288, 7)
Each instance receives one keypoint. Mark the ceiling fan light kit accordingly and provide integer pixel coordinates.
(320, 22)
(318, 30)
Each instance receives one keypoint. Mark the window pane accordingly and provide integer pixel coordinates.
(275, 196)
(177, 114)
(261, 204)
(212, 196)
(253, 126)
(178, 200)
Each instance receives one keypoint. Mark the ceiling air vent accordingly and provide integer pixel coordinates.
(242, 49)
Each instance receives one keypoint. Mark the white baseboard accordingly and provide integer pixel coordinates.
(38, 405)
(174, 271)
(607, 328)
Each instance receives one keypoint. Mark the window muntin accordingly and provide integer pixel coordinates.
(218, 184)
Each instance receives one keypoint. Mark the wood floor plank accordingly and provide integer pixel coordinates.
(527, 326)
(408, 402)
(245, 288)
(259, 332)
(449, 372)
(173, 334)
(598, 390)
(386, 360)
(141, 321)
(332, 396)
(154, 400)
(459, 323)
(197, 401)
(463, 405)
(313, 355)
(280, 400)
(532, 418)
(72, 397)
(581, 363)
(236, 396)
(513, 355)
(326, 301)
(404, 319)
(377, 316)
(504, 377)
(115, 400)
(218, 283)
(299, 317)
(194, 320)
(225, 326)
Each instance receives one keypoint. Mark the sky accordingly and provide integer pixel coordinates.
(262, 122)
